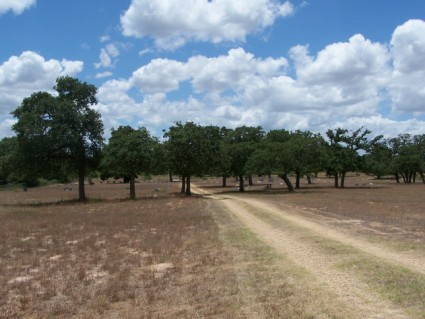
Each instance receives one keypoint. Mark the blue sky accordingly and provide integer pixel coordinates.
(309, 65)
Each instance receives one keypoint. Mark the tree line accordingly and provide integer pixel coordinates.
(60, 136)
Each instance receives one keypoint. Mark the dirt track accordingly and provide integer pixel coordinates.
(287, 232)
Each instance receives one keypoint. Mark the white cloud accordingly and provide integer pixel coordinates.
(17, 6)
(71, 67)
(172, 23)
(103, 75)
(6, 127)
(233, 71)
(342, 65)
(160, 75)
(348, 73)
(385, 126)
(145, 51)
(108, 56)
(346, 84)
(235, 89)
(105, 38)
(22, 75)
(408, 79)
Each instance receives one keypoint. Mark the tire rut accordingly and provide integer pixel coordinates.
(415, 264)
(348, 288)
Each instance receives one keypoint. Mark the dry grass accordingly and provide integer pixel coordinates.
(152, 258)
(162, 256)
(158, 257)
(272, 286)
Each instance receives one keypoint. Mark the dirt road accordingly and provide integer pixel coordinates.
(321, 249)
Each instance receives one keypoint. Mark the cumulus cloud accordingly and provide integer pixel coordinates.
(160, 75)
(347, 74)
(346, 84)
(172, 23)
(233, 71)
(22, 75)
(408, 78)
(17, 6)
(234, 89)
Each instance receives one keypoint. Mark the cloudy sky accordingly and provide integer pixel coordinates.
(309, 65)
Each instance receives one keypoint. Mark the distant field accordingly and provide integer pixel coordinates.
(262, 254)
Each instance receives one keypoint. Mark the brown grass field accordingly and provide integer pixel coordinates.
(170, 256)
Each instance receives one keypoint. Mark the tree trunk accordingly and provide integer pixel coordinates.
(224, 184)
(132, 187)
(309, 180)
(404, 177)
(250, 183)
(183, 188)
(81, 176)
(241, 185)
(170, 176)
(343, 180)
(397, 177)
(287, 182)
(336, 180)
(188, 192)
(297, 179)
(423, 177)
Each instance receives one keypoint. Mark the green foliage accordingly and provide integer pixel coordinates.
(408, 156)
(129, 153)
(283, 152)
(241, 144)
(379, 160)
(60, 134)
(343, 151)
(192, 149)
(8, 149)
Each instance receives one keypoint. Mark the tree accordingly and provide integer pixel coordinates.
(379, 160)
(129, 153)
(408, 156)
(60, 132)
(242, 143)
(343, 151)
(8, 159)
(272, 157)
(308, 153)
(223, 164)
(193, 150)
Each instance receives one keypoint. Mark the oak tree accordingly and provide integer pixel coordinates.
(129, 153)
(60, 131)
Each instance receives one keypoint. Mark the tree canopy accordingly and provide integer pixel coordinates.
(60, 132)
(193, 149)
(129, 153)
(61, 136)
